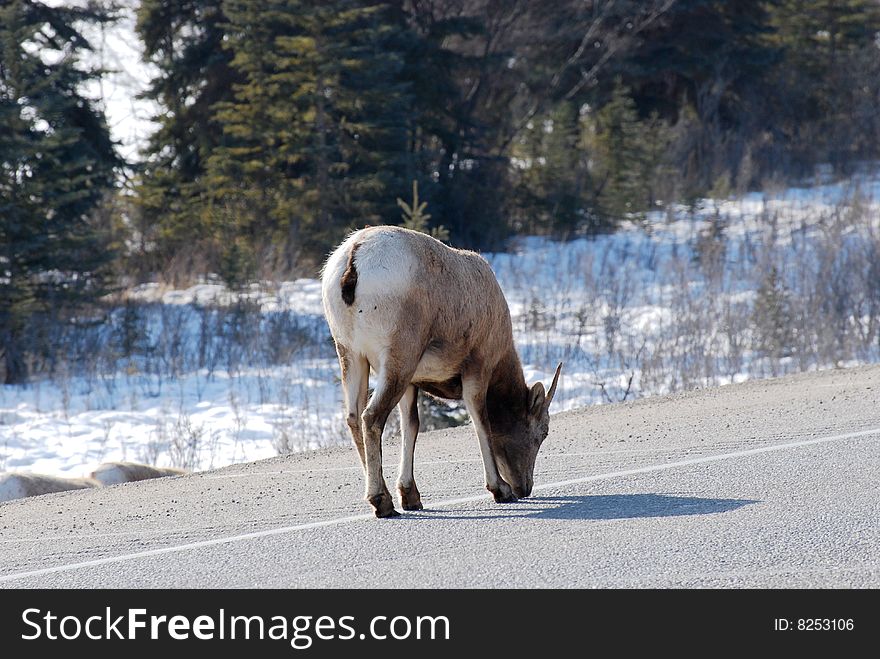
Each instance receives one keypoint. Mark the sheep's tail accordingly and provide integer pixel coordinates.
(349, 280)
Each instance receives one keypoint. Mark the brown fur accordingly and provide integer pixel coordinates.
(459, 315)
(468, 326)
(449, 389)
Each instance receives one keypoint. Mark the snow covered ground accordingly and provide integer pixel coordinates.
(210, 378)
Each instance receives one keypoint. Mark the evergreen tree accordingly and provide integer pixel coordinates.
(772, 316)
(553, 164)
(356, 143)
(314, 139)
(711, 58)
(184, 40)
(815, 32)
(824, 81)
(56, 163)
(457, 64)
(619, 146)
(656, 169)
(565, 166)
(414, 216)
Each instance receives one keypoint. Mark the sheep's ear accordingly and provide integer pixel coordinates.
(536, 399)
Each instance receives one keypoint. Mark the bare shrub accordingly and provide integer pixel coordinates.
(186, 443)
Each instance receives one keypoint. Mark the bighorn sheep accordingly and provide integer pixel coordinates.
(426, 316)
(19, 485)
(113, 473)
(23, 484)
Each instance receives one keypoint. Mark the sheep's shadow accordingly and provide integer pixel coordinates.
(600, 506)
(628, 506)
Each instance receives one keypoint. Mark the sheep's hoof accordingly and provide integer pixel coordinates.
(504, 498)
(410, 499)
(502, 493)
(383, 505)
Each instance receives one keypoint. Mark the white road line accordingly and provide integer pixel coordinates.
(440, 504)
(707, 458)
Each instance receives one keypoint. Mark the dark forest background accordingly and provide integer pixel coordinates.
(286, 123)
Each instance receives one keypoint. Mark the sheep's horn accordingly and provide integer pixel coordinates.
(553, 386)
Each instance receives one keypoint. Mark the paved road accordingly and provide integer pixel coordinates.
(771, 483)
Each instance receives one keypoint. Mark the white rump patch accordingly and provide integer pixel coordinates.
(110, 474)
(11, 487)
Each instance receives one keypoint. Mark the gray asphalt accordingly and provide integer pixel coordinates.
(764, 484)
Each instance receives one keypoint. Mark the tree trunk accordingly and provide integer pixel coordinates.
(14, 365)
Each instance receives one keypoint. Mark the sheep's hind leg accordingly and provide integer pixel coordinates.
(408, 407)
(355, 383)
(390, 388)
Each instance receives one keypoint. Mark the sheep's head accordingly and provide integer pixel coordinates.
(516, 446)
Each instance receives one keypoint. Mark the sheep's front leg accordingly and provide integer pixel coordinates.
(408, 407)
(389, 390)
(475, 402)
